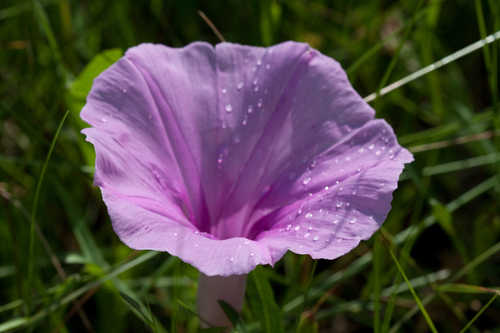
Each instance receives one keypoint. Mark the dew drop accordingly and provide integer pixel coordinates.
(244, 122)
(338, 204)
(288, 227)
(228, 108)
(259, 62)
(268, 66)
(371, 146)
(335, 221)
(316, 238)
(231, 259)
(310, 228)
(297, 228)
(259, 103)
(306, 180)
(348, 158)
(252, 254)
(354, 192)
(220, 159)
(240, 86)
(337, 182)
(124, 90)
(256, 88)
(309, 215)
(299, 211)
(250, 109)
(347, 204)
(255, 82)
(104, 119)
(306, 235)
(358, 170)
(377, 152)
(175, 234)
(361, 150)
(224, 90)
(353, 220)
(326, 188)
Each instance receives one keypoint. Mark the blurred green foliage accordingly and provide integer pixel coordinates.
(444, 227)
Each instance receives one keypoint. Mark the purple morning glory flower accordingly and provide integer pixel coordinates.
(227, 157)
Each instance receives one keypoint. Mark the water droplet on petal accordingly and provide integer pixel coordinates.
(297, 228)
(377, 152)
(326, 188)
(288, 227)
(299, 211)
(240, 85)
(371, 146)
(224, 90)
(256, 88)
(259, 103)
(231, 259)
(309, 215)
(252, 254)
(316, 238)
(259, 62)
(354, 192)
(306, 180)
(268, 66)
(124, 90)
(337, 182)
(353, 220)
(228, 108)
(338, 204)
(250, 109)
(244, 122)
(361, 150)
(306, 235)
(104, 119)
(347, 204)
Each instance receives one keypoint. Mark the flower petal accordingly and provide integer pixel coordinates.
(210, 154)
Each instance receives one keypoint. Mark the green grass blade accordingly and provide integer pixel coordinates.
(415, 296)
(35, 205)
(469, 324)
(269, 312)
(432, 67)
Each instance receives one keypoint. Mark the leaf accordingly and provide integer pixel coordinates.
(80, 88)
(263, 303)
(443, 217)
(230, 312)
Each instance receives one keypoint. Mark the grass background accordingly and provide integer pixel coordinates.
(62, 269)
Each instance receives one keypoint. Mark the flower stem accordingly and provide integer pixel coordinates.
(211, 289)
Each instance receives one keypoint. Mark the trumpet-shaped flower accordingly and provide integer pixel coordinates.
(229, 156)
